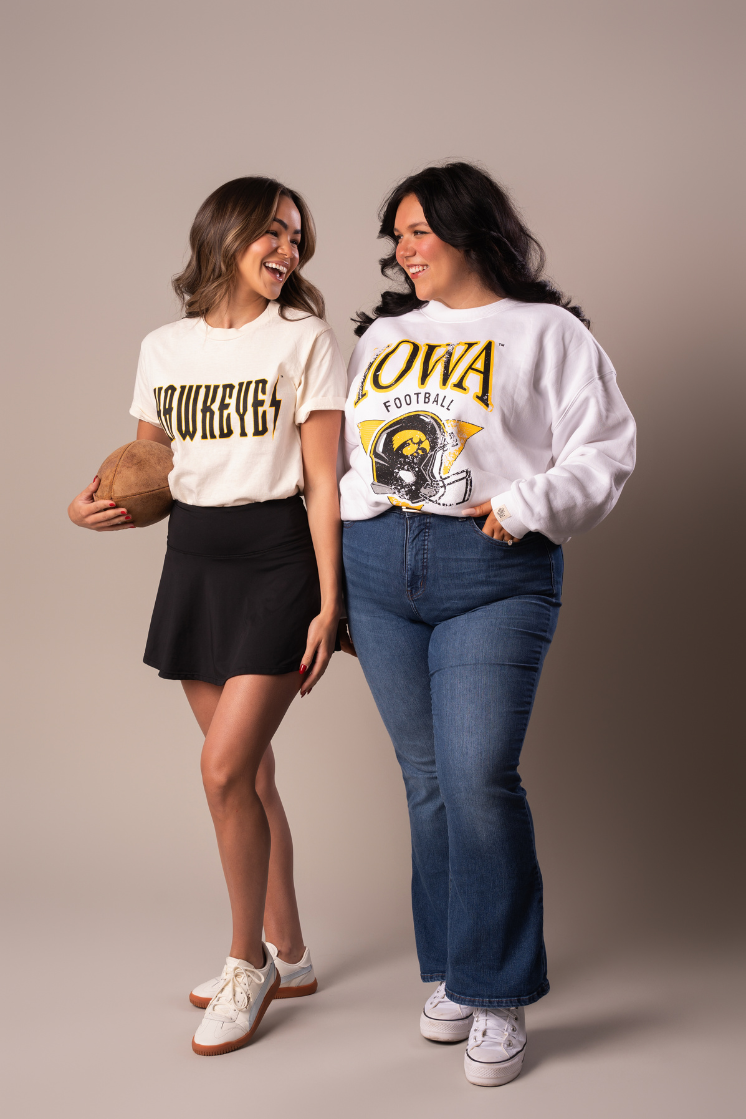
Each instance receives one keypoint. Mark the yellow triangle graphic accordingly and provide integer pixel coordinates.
(367, 429)
(462, 431)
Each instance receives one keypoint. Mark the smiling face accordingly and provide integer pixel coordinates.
(437, 269)
(434, 266)
(265, 265)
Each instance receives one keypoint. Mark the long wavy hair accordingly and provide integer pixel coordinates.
(235, 215)
(465, 207)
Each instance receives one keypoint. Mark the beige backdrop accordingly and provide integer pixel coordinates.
(612, 124)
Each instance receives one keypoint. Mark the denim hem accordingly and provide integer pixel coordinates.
(432, 976)
(517, 1000)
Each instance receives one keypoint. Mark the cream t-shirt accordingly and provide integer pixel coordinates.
(231, 402)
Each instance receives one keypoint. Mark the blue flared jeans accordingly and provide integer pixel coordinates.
(451, 628)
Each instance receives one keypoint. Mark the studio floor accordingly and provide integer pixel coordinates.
(97, 1024)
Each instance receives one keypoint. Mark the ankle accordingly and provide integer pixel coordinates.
(251, 953)
(290, 952)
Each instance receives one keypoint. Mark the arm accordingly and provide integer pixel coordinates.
(150, 431)
(104, 516)
(319, 437)
(491, 526)
(593, 449)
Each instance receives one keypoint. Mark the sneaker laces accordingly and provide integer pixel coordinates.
(493, 1025)
(439, 995)
(234, 991)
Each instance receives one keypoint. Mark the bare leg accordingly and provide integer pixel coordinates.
(239, 720)
(281, 919)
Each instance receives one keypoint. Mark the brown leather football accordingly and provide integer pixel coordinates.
(136, 477)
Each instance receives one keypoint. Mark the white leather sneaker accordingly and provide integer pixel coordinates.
(443, 1020)
(295, 980)
(234, 1013)
(496, 1045)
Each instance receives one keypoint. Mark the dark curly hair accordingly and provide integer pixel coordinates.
(466, 208)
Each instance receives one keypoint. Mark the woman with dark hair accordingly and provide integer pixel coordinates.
(248, 390)
(484, 427)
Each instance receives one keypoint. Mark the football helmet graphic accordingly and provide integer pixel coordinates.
(412, 457)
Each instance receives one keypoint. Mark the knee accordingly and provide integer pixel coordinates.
(422, 787)
(221, 782)
(491, 800)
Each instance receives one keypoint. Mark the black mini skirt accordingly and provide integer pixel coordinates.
(238, 592)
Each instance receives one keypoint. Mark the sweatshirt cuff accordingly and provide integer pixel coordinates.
(502, 510)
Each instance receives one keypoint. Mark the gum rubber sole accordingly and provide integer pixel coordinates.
(230, 1046)
(488, 1075)
(283, 993)
(297, 992)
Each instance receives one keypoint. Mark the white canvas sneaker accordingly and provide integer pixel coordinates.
(443, 1020)
(496, 1045)
(295, 980)
(234, 1013)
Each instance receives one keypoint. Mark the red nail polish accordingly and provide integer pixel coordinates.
(112, 504)
(128, 518)
(303, 668)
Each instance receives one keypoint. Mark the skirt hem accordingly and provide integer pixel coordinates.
(238, 591)
(207, 679)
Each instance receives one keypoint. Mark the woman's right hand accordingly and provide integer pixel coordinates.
(101, 516)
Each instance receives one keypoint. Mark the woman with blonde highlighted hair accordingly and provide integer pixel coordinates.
(248, 389)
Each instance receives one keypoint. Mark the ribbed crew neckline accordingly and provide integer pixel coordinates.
(440, 313)
(228, 334)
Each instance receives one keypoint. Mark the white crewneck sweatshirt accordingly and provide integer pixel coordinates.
(513, 403)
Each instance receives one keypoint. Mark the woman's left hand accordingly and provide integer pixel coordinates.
(322, 635)
(491, 526)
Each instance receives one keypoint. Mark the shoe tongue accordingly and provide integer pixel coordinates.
(233, 961)
(496, 1021)
(234, 994)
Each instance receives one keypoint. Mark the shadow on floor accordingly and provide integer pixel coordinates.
(547, 1043)
(279, 1015)
(361, 961)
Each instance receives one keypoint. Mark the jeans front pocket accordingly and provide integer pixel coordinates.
(477, 524)
(531, 565)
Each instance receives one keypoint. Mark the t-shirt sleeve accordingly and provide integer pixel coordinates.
(324, 382)
(143, 402)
